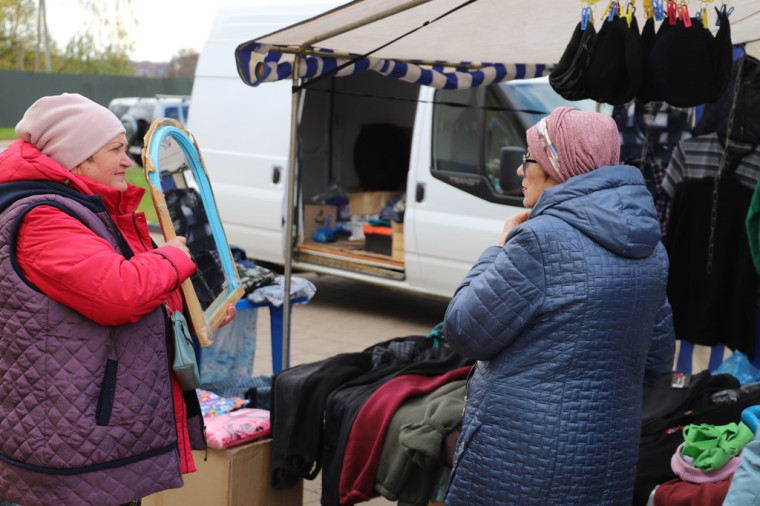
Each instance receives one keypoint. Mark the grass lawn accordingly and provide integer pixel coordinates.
(136, 177)
(7, 132)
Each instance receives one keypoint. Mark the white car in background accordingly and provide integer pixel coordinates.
(139, 116)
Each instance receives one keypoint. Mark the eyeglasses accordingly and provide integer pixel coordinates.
(527, 160)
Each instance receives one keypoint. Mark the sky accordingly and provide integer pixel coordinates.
(165, 26)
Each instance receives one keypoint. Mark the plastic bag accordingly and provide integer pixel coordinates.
(739, 366)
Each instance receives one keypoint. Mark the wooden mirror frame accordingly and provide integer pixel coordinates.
(203, 322)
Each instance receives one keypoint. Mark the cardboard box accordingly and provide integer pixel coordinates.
(397, 248)
(238, 476)
(316, 216)
(368, 202)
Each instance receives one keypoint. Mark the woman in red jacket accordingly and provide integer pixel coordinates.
(77, 144)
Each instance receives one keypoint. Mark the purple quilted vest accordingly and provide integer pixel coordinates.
(86, 410)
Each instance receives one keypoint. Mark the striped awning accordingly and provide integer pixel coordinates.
(261, 63)
(440, 43)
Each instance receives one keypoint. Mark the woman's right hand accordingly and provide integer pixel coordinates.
(179, 242)
(512, 222)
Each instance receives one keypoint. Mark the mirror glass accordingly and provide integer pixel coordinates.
(185, 206)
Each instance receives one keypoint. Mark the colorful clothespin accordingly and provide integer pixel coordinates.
(683, 13)
(703, 17)
(723, 11)
(586, 16)
(648, 13)
(658, 8)
(672, 12)
(612, 10)
(628, 15)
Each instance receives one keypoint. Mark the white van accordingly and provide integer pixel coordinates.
(449, 156)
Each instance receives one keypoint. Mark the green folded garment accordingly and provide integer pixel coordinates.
(712, 446)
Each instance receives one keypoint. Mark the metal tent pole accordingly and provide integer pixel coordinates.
(288, 236)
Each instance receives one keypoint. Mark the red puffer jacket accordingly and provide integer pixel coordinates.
(75, 267)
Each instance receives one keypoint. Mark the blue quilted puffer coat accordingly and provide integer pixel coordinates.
(567, 320)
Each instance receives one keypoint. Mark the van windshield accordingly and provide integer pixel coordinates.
(538, 95)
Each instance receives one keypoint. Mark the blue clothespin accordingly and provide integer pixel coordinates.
(585, 17)
(658, 7)
(614, 8)
(722, 11)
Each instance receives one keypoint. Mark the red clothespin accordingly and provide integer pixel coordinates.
(612, 10)
(672, 12)
(683, 13)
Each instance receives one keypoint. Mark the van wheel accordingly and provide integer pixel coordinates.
(381, 157)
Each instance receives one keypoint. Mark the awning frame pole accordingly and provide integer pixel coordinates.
(288, 235)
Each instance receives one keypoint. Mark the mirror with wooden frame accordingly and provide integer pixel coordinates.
(184, 202)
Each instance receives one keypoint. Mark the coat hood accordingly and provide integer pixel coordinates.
(611, 205)
(22, 161)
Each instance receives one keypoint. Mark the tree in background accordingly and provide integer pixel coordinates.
(183, 64)
(17, 34)
(102, 46)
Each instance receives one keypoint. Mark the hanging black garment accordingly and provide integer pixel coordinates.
(746, 123)
(717, 306)
(567, 76)
(647, 92)
(616, 67)
(298, 398)
(688, 66)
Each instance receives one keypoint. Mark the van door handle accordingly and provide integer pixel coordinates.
(420, 194)
(276, 174)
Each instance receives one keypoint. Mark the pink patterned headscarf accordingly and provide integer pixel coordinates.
(569, 142)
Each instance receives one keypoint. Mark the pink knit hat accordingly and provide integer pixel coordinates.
(569, 142)
(68, 128)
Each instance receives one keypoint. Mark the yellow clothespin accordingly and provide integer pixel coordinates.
(648, 11)
(703, 14)
(628, 15)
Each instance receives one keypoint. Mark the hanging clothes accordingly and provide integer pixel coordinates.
(746, 123)
(649, 133)
(712, 283)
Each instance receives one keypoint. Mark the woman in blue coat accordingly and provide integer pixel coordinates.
(568, 318)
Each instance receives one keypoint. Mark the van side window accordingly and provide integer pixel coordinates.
(469, 129)
(502, 130)
(455, 138)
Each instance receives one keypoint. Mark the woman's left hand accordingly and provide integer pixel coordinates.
(231, 311)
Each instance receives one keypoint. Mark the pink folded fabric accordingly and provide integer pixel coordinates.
(689, 473)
